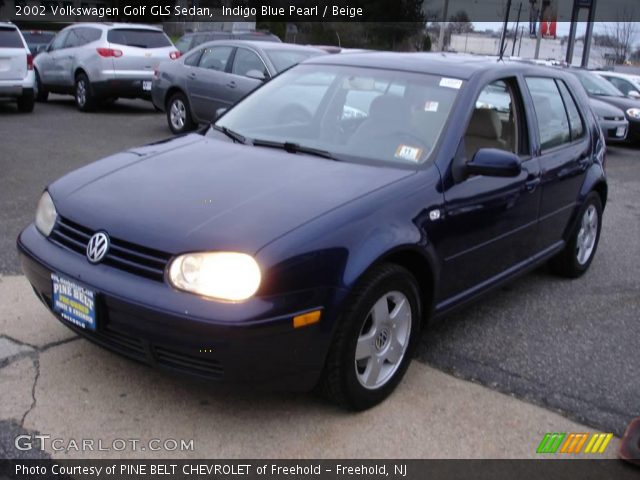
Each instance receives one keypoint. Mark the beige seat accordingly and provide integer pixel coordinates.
(484, 131)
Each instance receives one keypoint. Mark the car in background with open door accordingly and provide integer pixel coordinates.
(216, 75)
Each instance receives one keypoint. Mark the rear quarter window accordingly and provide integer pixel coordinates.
(10, 38)
(133, 37)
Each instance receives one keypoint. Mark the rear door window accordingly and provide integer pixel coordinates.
(215, 58)
(575, 120)
(553, 123)
(10, 38)
(135, 37)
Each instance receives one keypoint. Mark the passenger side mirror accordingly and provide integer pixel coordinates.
(219, 112)
(493, 162)
(257, 75)
(634, 94)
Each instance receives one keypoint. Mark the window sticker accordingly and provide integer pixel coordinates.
(430, 106)
(407, 152)
(450, 83)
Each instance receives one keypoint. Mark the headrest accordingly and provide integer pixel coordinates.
(485, 123)
(390, 109)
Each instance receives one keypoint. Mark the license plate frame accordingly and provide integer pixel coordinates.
(73, 302)
(621, 132)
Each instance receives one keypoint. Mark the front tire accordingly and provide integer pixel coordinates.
(179, 115)
(577, 256)
(85, 100)
(375, 339)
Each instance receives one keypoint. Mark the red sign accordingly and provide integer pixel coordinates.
(548, 29)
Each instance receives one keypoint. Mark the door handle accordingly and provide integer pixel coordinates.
(531, 185)
(231, 84)
(584, 162)
(192, 76)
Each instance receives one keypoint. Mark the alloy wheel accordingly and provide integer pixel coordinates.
(178, 114)
(587, 235)
(383, 340)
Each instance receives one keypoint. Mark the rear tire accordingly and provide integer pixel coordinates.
(578, 254)
(41, 93)
(26, 102)
(179, 115)
(375, 339)
(85, 100)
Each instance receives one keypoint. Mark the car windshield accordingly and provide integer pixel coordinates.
(596, 85)
(283, 59)
(141, 38)
(357, 114)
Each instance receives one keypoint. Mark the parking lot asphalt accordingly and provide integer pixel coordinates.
(567, 346)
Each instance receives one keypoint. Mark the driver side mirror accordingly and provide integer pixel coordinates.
(257, 75)
(634, 94)
(494, 162)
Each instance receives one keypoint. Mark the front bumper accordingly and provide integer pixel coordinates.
(252, 343)
(610, 130)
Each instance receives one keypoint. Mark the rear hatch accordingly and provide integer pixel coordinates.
(13, 54)
(140, 51)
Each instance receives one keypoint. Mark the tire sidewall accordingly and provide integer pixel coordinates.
(398, 279)
(592, 199)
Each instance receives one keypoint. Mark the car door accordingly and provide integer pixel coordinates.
(489, 223)
(64, 59)
(47, 62)
(565, 154)
(245, 63)
(206, 83)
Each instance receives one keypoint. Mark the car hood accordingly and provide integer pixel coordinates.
(195, 193)
(603, 109)
(621, 102)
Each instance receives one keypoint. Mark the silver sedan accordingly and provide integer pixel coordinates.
(216, 75)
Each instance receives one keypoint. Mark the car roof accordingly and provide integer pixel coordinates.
(112, 25)
(257, 44)
(457, 65)
(8, 25)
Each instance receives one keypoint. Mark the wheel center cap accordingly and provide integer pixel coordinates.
(382, 339)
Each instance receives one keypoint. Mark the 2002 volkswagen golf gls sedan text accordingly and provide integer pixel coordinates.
(307, 235)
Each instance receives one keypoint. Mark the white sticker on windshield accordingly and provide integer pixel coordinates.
(450, 83)
(406, 152)
(431, 106)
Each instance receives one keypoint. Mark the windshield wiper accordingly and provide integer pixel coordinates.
(235, 136)
(294, 148)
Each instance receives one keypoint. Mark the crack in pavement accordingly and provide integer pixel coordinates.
(36, 364)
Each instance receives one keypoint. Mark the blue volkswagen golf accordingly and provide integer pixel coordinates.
(307, 235)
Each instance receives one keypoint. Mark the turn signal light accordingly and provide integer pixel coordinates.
(306, 319)
(109, 52)
(174, 55)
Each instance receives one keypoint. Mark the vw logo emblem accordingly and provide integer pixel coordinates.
(97, 247)
(381, 339)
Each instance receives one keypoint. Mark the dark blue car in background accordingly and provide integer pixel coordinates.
(309, 249)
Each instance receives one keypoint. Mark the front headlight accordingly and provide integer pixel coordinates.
(46, 214)
(634, 113)
(226, 276)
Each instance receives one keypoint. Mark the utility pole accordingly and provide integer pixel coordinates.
(515, 31)
(588, 34)
(503, 37)
(443, 25)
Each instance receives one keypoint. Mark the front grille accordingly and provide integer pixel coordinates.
(132, 258)
(615, 119)
(204, 367)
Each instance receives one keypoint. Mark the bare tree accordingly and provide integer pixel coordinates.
(623, 34)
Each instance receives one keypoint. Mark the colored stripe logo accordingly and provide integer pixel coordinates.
(573, 443)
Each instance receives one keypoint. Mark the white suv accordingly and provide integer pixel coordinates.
(102, 61)
(16, 67)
